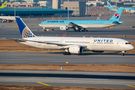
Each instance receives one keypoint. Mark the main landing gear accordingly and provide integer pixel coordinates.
(79, 30)
(84, 30)
(66, 53)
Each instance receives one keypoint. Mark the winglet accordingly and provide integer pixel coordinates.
(24, 30)
(117, 15)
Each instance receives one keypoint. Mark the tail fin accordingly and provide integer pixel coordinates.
(109, 5)
(4, 4)
(24, 30)
(117, 15)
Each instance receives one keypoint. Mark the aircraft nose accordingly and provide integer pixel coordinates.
(131, 47)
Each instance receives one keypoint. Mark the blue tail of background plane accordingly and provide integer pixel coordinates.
(24, 30)
(117, 15)
(109, 5)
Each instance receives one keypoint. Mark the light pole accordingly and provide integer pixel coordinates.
(87, 7)
(61, 4)
(14, 9)
(68, 9)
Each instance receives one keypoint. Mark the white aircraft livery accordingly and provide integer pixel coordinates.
(8, 17)
(74, 45)
(77, 25)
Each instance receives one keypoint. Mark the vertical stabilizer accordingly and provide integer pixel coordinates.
(24, 30)
(4, 5)
(117, 15)
(109, 5)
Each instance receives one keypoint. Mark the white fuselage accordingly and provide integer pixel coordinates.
(50, 26)
(96, 44)
(131, 11)
(8, 17)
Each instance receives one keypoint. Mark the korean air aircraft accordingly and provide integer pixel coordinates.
(77, 25)
(3, 5)
(75, 45)
(131, 9)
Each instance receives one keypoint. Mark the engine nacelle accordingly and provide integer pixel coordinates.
(63, 27)
(75, 49)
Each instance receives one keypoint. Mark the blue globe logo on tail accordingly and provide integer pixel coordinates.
(24, 30)
(27, 33)
(117, 15)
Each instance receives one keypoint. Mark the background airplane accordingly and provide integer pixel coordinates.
(8, 17)
(75, 45)
(127, 9)
(3, 5)
(77, 25)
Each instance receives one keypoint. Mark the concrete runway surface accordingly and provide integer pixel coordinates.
(59, 58)
(67, 78)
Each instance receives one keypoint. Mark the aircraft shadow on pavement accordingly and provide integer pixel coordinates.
(67, 76)
(96, 31)
(83, 54)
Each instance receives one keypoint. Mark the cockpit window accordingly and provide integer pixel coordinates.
(127, 43)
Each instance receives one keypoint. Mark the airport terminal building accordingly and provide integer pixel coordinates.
(34, 12)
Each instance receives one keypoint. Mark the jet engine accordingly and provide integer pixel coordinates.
(75, 49)
(63, 27)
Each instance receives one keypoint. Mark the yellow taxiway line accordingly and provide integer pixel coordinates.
(131, 86)
(44, 84)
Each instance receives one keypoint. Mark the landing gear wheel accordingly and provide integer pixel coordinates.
(86, 30)
(83, 31)
(123, 54)
(66, 53)
(77, 31)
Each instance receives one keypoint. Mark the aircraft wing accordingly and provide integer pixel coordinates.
(75, 26)
(58, 44)
(23, 40)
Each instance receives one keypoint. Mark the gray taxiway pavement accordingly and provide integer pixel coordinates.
(54, 78)
(7, 30)
(59, 58)
(67, 78)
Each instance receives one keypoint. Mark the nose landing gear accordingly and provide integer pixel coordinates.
(123, 53)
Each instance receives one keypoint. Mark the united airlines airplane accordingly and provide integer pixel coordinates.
(75, 45)
(77, 25)
(130, 9)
